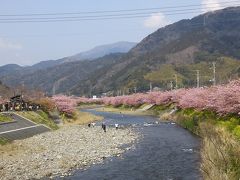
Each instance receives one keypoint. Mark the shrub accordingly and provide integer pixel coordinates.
(46, 104)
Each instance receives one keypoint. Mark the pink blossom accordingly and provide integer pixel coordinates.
(222, 99)
(65, 104)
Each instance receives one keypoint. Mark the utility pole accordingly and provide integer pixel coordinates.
(176, 80)
(150, 86)
(127, 91)
(198, 79)
(205, 19)
(171, 85)
(214, 73)
(135, 89)
(90, 90)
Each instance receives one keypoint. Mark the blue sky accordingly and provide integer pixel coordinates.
(29, 43)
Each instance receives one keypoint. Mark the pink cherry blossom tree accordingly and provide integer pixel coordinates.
(65, 104)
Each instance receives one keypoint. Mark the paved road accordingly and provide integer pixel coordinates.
(21, 128)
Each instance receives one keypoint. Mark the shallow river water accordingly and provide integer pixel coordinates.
(164, 151)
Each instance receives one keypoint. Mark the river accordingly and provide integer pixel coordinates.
(165, 151)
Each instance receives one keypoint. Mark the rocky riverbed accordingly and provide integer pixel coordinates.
(57, 153)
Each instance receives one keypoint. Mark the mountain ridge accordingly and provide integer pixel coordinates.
(184, 45)
(102, 50)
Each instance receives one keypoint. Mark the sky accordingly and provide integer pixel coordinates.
(26, 43)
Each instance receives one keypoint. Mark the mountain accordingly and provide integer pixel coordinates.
(178, 50)
(9, 69)
(100, 51)
(5, 91)
(213, 36)
(45, 64)
(62, 77)
(14, 70)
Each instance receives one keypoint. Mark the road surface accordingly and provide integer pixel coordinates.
(20, 128)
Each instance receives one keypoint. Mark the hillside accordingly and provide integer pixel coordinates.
(180, 48)
(63, 77)
(5, 92)
(9, 69)
(210, 37)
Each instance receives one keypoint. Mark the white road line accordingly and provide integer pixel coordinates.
(24, 117)
(19, 129)
(28, 119)
(31, 121)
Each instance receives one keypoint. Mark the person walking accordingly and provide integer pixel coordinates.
(104, 127)
(116, 126)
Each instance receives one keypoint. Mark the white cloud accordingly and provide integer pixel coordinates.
(6, 44)
(212, 5)
(156, 20)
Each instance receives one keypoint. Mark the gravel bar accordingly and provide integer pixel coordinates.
(59, 152)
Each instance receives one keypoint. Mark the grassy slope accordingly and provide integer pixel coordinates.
(39, 117)
(4, 118)
(227, 68)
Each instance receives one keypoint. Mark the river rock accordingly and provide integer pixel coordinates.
(54, 153)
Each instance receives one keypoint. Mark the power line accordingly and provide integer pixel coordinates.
(192, 10)
(79, 17)
(94, 19)
(99, 16)
(123, 10)
(86, 19)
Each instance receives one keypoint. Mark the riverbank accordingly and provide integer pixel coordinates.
(123, 110)
(81, 118)
(220, 150)
(56, 153)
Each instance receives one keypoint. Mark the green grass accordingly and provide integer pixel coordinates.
(232, 125)
(4, 118)
(190, 119)
(3, 141)
(39, 117)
